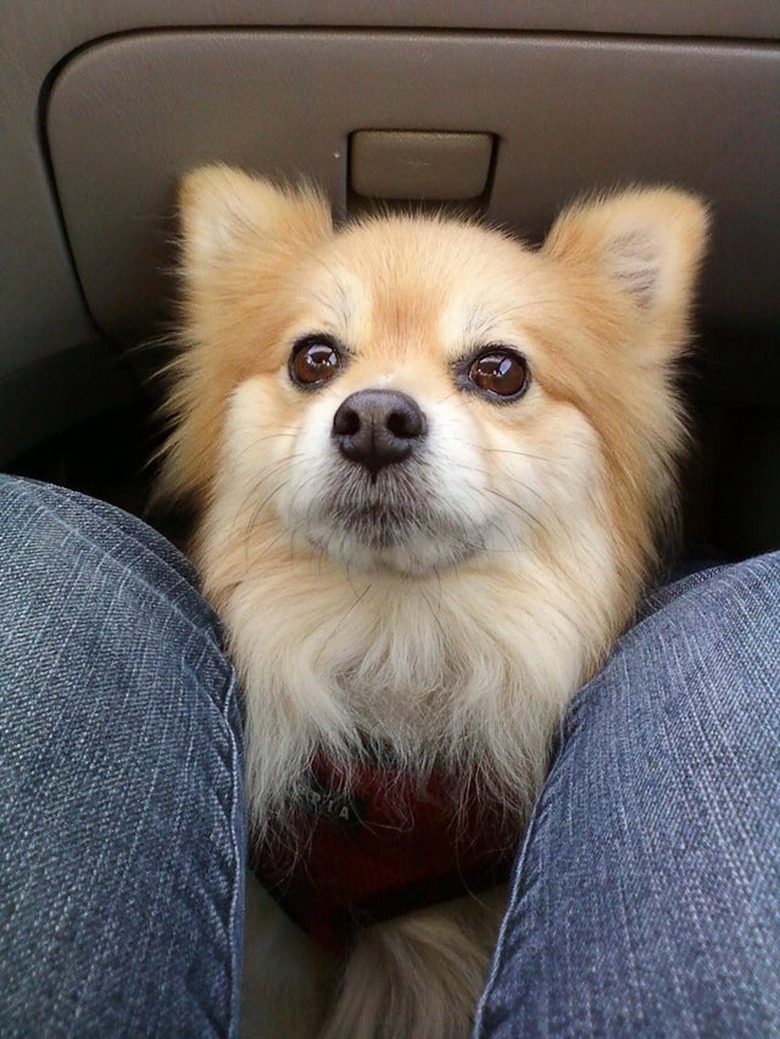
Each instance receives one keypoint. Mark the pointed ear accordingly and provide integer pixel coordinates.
(647, 243)
(223, 209)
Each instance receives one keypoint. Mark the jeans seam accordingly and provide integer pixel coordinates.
(235, 913)
(518, 882)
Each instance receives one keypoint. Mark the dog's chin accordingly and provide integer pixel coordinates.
(389, 524)
(369, 551)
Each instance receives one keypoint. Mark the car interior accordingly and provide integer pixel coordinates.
(506, 109)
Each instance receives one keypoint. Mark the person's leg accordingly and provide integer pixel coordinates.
(121, 794)
(646, 898)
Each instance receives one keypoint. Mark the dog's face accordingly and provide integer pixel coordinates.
(416, 395)
(401, 419)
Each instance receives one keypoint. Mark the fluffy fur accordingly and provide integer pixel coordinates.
(522, 532)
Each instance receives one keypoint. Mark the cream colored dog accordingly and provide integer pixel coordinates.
(433, 468)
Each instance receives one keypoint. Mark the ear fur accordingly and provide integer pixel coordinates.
(223, 209)
(239, 233)
(647, 243)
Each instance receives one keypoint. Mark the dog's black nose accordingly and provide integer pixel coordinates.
(378, 427)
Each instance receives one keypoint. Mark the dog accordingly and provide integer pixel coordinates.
(433, 471)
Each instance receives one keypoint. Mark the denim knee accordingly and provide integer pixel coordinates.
(122, 806)
(644, 901)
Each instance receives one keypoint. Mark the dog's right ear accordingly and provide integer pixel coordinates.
(224, 210)
(645, 243)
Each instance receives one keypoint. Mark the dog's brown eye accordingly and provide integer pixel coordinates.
(314, 360)
(499, 372)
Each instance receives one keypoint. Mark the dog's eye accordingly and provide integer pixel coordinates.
(314, 360)
(499, 372)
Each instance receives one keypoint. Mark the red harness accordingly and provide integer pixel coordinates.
(387, 845)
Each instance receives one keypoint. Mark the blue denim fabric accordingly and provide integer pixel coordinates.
(646, 898)
(121, 798)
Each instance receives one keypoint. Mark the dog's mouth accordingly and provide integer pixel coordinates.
(381, 509)
(392, 517)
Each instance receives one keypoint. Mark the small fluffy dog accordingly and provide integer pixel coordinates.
(432, 468)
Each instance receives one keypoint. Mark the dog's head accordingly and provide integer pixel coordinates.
(416, 394)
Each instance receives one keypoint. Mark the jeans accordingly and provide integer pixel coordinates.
(644, 900)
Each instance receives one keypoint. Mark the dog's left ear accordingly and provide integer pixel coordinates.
(224, 210)
(647, 244)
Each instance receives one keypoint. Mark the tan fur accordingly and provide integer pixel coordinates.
(420, 975)
(461, 647)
